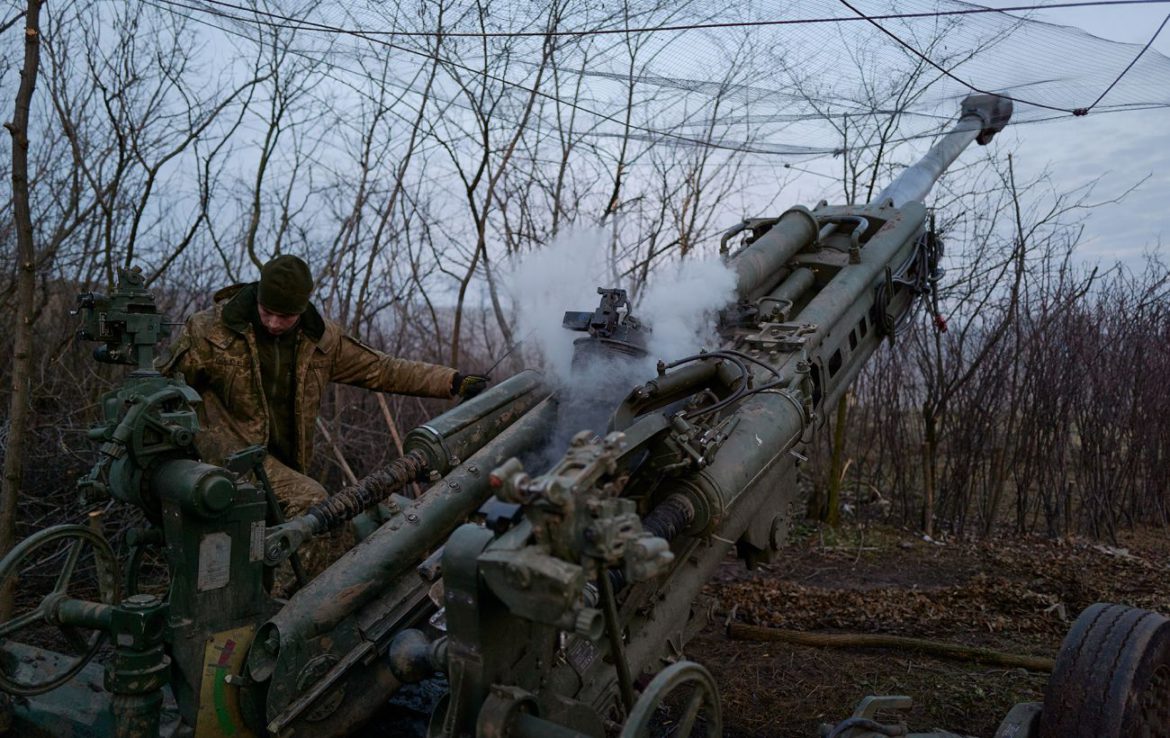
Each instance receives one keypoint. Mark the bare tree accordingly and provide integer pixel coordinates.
(18, 405)
(494, 144)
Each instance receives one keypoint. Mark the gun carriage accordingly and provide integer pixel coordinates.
(565, 608)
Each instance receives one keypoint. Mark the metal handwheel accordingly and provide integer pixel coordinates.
(1112, 677)
(700, 699)
(48, 610)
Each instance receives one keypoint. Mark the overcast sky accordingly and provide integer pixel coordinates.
(1120, 148)
(1117, 149)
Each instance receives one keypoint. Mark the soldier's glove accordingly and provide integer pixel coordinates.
(469, 385)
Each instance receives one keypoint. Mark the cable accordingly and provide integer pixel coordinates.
(807, 155)
(654, 134)
(737, 358)
(923, 264)
(689, 26)
(946, 72)
(1084, 111)
(478, 72)
(950, 75)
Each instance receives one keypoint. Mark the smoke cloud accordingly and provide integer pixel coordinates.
(563, 276)
(682, 307)
(679, 306)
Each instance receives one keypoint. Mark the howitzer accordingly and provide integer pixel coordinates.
(563, 610)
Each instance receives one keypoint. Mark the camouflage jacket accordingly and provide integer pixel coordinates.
(217, 355)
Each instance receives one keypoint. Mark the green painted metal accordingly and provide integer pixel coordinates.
(468, 427)
(759, 266)
(701, 695)
(139, 670)
(57, 607)
(79, 708)
(580, 578)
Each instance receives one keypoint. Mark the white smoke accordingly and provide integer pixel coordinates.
(680, 304)
(682, 308)
(564, 276)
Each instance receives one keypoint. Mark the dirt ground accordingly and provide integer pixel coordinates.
(1009, 594)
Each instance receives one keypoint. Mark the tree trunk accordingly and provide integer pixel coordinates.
(929, 449)
(837, 463)
(998, 482)
(25, 289)
(976, 654)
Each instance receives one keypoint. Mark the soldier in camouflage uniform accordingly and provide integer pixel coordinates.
(261, 358)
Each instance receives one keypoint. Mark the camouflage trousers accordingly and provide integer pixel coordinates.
(296, 494)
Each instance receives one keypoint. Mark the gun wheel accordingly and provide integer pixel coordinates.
(58, 554)
(691, 689)
(1112, 677)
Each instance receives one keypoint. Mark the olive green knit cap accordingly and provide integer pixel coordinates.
(285, 285)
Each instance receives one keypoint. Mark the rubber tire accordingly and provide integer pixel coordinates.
(1107, 664)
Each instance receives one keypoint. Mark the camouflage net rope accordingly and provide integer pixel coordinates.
(794, 80)
(350, 502)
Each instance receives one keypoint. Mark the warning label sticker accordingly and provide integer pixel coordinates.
(215, 561)
(256, 542)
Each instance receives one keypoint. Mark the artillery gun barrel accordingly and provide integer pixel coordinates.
(761, 266)
(402, 541)
(982, 117)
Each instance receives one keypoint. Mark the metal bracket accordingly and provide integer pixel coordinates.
(780, 336)
(757, 226)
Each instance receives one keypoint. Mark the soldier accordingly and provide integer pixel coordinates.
(261, 358)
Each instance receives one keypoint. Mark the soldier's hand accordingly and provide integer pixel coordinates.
(469, 385)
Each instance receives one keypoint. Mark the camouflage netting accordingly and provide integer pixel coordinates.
(413, 152)
(773, 78)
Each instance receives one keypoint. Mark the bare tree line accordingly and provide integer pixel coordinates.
(411, 173)
(1041, 408)
(408, 174)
